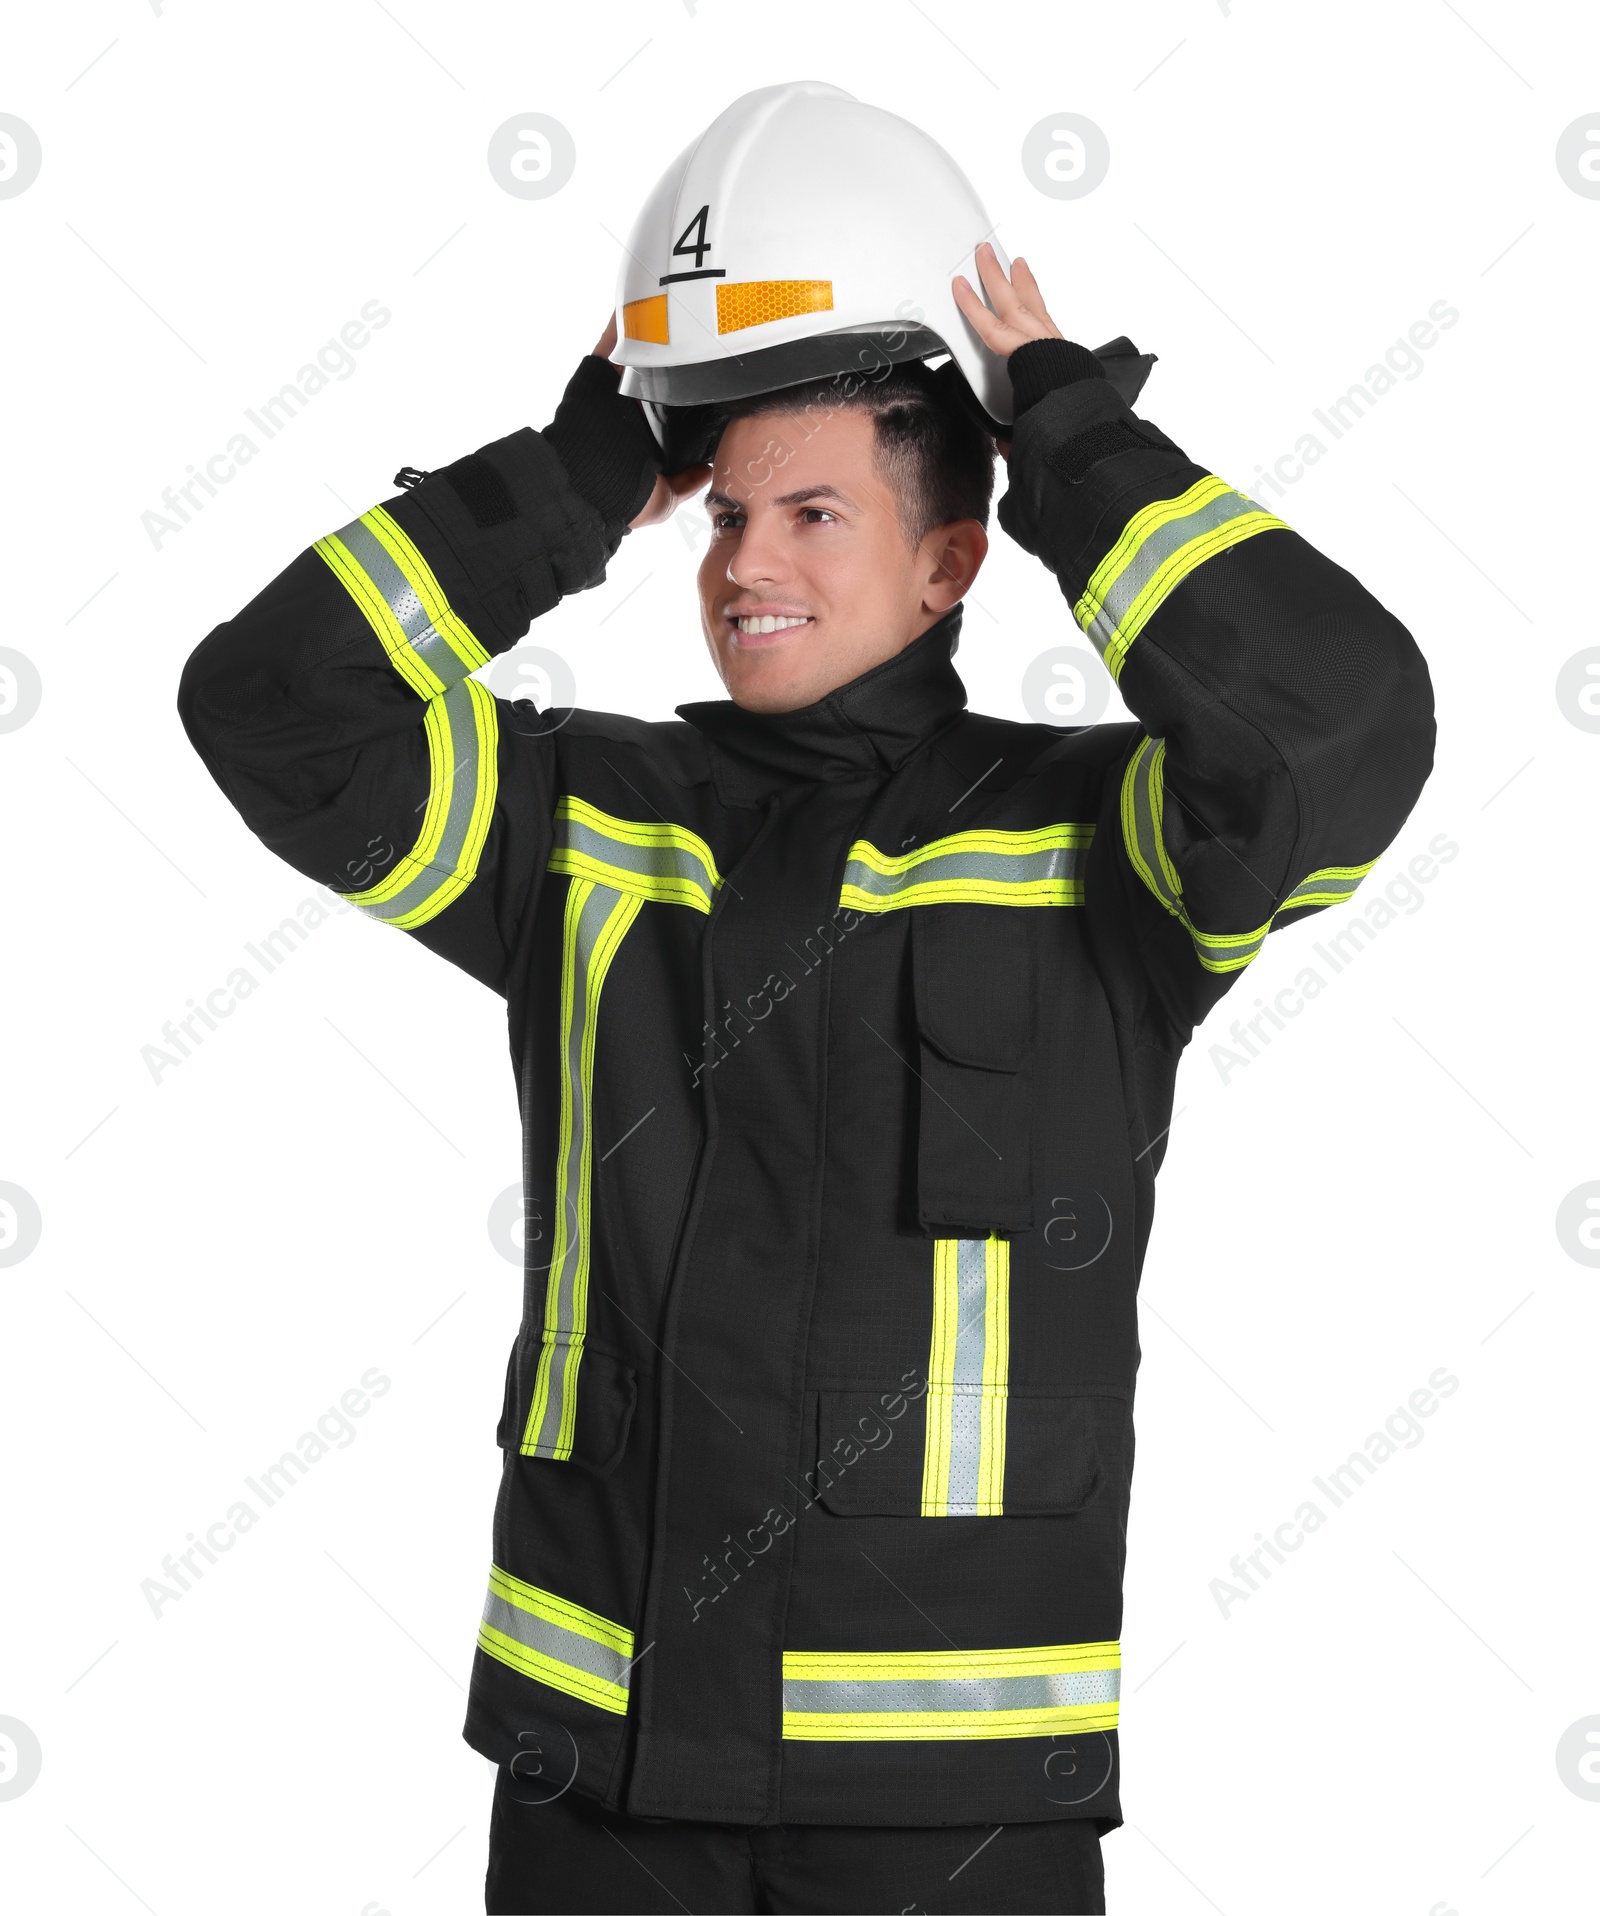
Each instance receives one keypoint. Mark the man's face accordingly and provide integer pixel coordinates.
(806, 541)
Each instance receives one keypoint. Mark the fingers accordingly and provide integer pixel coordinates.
(1027, 288)
(1002, 295)
(984, 323)
(687, 483)
(608, 339)
(668, 492)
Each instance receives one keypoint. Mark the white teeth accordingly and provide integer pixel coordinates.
(770, 623)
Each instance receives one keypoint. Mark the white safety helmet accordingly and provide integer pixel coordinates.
(802, 235)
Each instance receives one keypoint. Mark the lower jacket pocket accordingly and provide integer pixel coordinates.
(568, 1403)
(968, 1450)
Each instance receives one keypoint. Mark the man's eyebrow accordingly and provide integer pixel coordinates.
(808, 493)
(719, 501)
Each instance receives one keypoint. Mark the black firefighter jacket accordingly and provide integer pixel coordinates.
(845, 1043)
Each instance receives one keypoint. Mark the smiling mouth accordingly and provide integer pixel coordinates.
(766, 625)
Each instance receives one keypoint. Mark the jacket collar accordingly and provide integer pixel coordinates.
(865, 729)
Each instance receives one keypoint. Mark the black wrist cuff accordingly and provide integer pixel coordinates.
(1042, 365)
(604, 442)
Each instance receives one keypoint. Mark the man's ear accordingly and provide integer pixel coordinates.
(953, 555)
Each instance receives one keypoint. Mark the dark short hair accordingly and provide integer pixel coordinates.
(936, 458)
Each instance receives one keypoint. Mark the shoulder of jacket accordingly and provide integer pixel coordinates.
(670, 747)
(1027, 750)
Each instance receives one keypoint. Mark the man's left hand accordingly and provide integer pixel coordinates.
(1019, 314)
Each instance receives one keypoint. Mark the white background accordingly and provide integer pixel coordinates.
(224, 1252)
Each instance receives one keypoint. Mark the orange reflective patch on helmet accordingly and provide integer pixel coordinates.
(757, 302)
(646, 319)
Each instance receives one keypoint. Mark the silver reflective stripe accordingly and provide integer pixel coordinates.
(1326, 886)
(966, 1411)
(563, 1646)
(644, 861)
(1165, 539)
(599, 911)
(996, 868)
(461, 807)
(918, 1694)
(435, 652)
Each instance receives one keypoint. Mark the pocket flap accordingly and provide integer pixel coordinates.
(605, 1391)
(1063, 1449)
(972, 973)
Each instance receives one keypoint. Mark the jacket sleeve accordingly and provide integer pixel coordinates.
(338, 713)
(1285, 719)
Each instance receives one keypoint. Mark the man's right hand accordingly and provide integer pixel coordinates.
(670, 489)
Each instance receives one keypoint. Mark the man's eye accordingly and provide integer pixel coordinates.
(816, 514)
(725, 521)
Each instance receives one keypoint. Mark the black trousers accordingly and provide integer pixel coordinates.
(570, 1856)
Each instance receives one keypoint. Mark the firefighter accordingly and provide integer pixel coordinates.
(830, 1005)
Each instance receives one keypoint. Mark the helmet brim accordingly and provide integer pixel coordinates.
(685, 404)
(867, 351)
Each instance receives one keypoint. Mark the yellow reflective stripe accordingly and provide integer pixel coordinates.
(941, 1373)
(375, 609)
(556, 1642)
(893, 1696)
(460, 808)
(596, 922)
(1143, 801)
(433, 651)
(428, 644)
(1005, 844)
(996, 1375)
(667, 863)
(419, 576)
(1157, 550)
(615, 866)
(1042, 866)
(1330, 886)
(561, 1610)
(968, 891)
(893, 1666)
(551, 1672)
(969, 1359)
(943, 1726)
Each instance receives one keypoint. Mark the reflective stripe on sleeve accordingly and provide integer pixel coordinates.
(433, 651)
(964, 1459)
(911, 1696)
(1143, 802)
(393, 584)
(667, 863)
(555, 1642)
(597, 920)
(1042, 867)
(1160, 546)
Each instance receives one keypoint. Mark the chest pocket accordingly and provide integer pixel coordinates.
(973, 971)
(975, 899)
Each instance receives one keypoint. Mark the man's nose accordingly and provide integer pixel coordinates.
(758, 558)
